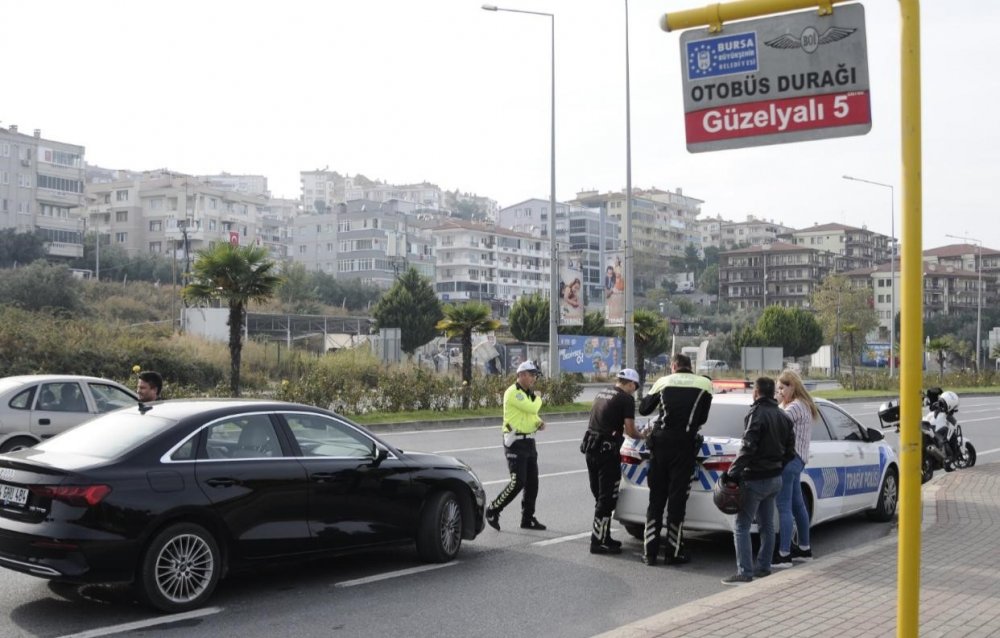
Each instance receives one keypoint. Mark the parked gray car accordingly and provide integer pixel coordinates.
(35, 407)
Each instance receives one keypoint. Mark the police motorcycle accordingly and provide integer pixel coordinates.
(943, 446)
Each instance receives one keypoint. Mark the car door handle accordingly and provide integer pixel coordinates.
(321, 477)
(848, 454)
(222, 482)
(44, 421)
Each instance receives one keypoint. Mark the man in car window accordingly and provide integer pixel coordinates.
(520, 423)
(768, 444)
(149, 386)
(684, 400)
(611, 417)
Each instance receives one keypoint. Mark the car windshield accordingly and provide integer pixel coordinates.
(107, 436)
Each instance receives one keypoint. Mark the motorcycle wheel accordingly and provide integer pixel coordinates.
(969, 459)
(926, 468)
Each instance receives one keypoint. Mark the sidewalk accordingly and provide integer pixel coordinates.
(853, 593)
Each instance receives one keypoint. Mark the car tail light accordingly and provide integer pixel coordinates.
(718, 463)
(630, 460)
(76, 495)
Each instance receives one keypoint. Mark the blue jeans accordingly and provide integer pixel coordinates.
(757, 501)
(791, 506)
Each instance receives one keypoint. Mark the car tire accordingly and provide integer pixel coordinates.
(635, 530)
(439, 536)
(888, 499)
(179, 569)
(17, 443)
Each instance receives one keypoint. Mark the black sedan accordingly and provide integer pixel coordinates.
(171, 496)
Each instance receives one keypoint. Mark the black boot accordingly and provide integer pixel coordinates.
(600, 538)
(531, 523)
(676, 553)
(650, 543)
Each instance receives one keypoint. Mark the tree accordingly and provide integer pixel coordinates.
(461, 321)
(529, 319)
(843, 312)
(236, 276)
(412, 306)
(940, 347)
(692, 262)
(298, 292)
(41, 286)
(20, 248)
(652, 336)
(708, 283)
(794, 330)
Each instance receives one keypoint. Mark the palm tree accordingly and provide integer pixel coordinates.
(236, 275)
(461, 321)
(651, 337)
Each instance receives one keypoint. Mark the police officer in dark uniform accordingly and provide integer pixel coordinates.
(684, 400)
(611, 417)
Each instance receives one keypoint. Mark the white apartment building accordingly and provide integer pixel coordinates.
(323, 189)
(41, 185)
(754, 231)
(852, 247)
(483, 262)
(172, 214)
(247, 184)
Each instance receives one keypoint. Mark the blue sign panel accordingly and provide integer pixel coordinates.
(590, 355)
(722, 55)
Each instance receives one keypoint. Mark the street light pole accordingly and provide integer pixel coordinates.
(630, 354)
(553, 249)
(979, 286)
(892, 268)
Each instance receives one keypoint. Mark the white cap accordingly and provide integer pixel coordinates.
(629, 375)
(528, 366)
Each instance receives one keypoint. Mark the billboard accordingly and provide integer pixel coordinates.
(590, 355)
(571, 291)
(614, 289)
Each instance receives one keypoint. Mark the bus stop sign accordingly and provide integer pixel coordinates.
(787, 78)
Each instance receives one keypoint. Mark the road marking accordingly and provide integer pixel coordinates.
(565, 539)
(142, 624)
(395, 574)
(497, 447)
(993, 451)
(541, 476)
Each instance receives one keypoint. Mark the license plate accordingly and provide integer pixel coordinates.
(10, 494)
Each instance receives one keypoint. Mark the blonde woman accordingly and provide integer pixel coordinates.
(796, 402)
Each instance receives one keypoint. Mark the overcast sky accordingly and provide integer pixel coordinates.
(443, 91)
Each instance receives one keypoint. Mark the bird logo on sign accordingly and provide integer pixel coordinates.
(810, 39)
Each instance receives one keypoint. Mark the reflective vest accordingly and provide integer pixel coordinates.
(520, 411)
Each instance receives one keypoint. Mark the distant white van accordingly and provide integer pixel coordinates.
(685, 287)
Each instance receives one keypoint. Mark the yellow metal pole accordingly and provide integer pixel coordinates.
(714, 14)
(911, 332)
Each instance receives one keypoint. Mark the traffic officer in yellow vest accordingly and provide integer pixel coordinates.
(520, 423)
(683, 399)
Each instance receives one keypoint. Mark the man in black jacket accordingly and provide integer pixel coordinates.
(768, 443)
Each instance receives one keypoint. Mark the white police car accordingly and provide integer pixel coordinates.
(850, 469)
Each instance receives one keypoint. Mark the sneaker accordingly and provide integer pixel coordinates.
(737, 579)
(493, 518)
(605, 548)
(531, 523)
(761, 573)
(614, 543)
(799, 554)
(781, 562)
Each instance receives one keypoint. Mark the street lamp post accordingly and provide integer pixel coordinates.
(892, 267)
(630, 358)
(554, 255)
(979, 286)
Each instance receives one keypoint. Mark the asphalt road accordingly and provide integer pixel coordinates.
(508, 583)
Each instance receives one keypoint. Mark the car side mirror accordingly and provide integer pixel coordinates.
(379, 454)
(875, 435)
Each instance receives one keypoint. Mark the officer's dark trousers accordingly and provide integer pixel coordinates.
(522, 461)
(605, 472)
(670, 468)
